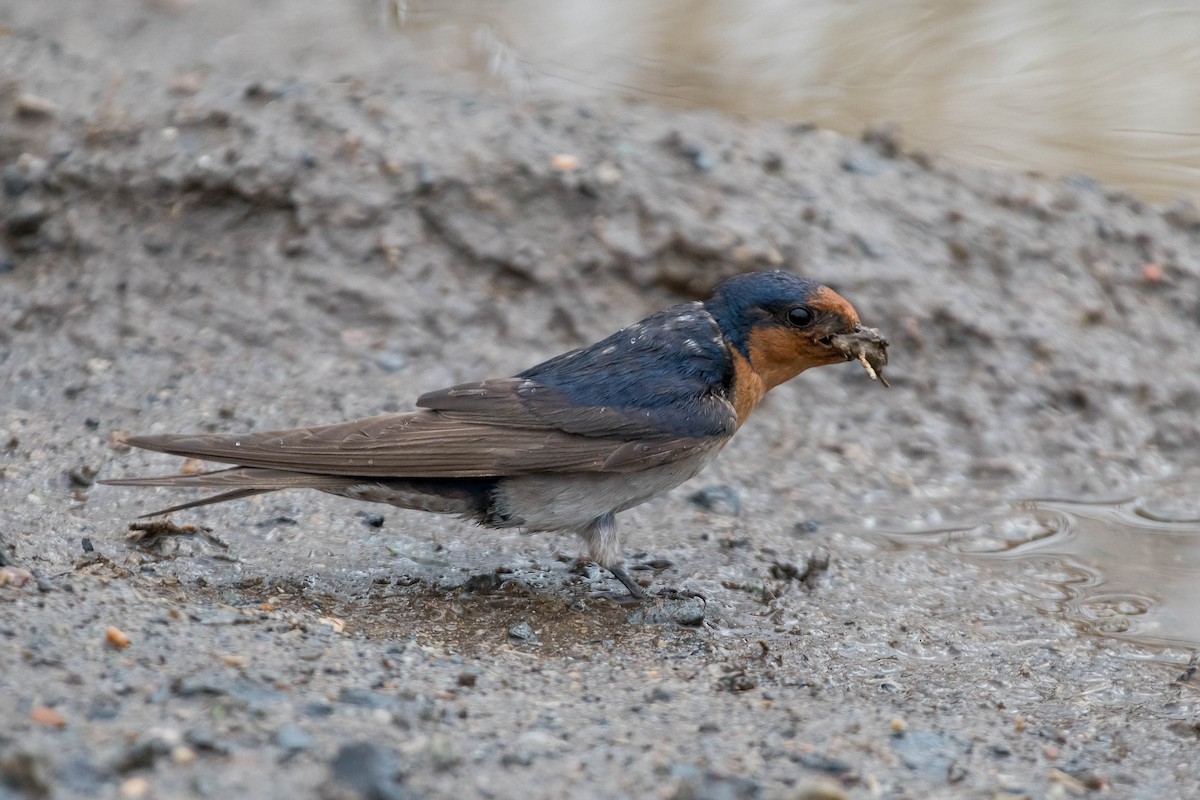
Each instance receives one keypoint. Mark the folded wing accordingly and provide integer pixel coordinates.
(487, 429)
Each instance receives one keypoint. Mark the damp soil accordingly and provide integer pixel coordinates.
(232, 248)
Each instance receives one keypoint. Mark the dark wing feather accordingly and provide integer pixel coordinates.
(426, 444)
(235, 494)
(631, 436)
(645, 396)
(525, 403)
(259, 480)
(238, 482)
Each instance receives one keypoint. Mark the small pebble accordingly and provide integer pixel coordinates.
(205, 683)
(884, 138)
(16, 183)
(27, 217)
(1183, 213)
(30, 106)
(823, 789)
(390, 361)
(133, 788)
(25, 772)
(692, 784)
(153, 745)
(16, 179)
(318, 709)
(535, 743)
(44, 715)
(522, 632)
(186, 83)
(363, 770)
(82, 476)
(718, 500)
(806, 527)
(115, 637)
(182, 754)
(1012, 794)
(687, 611)
(365, 698)
(863, 162)
(564, 162)
(206, 741)
(701, 160)
(821, 762)
(1070, 782)
(869, 246)
(607, 174)
(292, 739)
(659, 695)
(15, 576)
(441, 752)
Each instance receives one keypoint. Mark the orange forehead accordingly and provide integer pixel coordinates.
(826, 299)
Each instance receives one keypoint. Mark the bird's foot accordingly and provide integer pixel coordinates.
(636, 594)
(619, 598)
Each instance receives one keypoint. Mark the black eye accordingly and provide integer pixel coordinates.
(800, 316)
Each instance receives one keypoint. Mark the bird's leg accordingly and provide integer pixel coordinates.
(635, 591)
(604, 546)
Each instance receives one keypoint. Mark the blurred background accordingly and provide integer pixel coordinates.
(1098, 87)
(231, 215)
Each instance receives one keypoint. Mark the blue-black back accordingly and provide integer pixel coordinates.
(669, 368)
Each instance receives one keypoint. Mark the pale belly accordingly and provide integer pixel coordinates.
(571, 501)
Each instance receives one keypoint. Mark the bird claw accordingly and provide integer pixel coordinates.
(665, 594)
(635, 590)
(617, 598)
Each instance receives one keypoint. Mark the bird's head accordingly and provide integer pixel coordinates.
(779, 325)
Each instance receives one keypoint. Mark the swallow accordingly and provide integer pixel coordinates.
(568, 444)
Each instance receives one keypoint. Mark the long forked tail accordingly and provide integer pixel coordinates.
(238, 482)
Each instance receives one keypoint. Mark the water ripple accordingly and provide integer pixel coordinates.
(1128, 569)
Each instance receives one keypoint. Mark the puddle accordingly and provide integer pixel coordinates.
(1060, 87)
(1127, 569)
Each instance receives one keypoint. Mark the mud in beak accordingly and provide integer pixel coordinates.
(867, 346)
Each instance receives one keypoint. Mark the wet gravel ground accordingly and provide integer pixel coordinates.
(212, 251)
